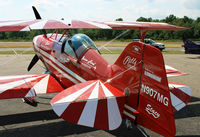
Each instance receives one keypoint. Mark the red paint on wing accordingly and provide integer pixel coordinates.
(55, 25)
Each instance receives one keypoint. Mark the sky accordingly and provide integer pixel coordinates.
(100, 10)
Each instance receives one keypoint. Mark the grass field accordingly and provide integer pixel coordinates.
(15, 44)
(26, 45)
(17, 52)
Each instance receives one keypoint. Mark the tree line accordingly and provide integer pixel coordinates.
(99, 34)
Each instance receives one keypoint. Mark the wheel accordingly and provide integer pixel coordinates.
(186, 51)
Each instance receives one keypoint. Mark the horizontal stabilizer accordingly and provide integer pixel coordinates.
(21, 86)
(173, 72)
(93, 103)
(180, 95)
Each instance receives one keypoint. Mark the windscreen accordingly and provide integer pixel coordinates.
(83, 41)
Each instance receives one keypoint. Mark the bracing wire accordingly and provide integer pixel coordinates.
(104, 46)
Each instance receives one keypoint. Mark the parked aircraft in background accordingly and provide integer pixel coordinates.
(191, 47)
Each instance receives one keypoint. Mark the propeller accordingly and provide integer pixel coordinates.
(37, 16)
(33, 62)
(36, 58)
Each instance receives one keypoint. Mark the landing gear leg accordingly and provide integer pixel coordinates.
(142, 131)
(30, 100)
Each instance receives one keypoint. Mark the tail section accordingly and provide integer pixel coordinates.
(191, 47)
(143, 77)
(188, 42)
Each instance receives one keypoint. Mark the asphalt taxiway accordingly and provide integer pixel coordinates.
(21, 120)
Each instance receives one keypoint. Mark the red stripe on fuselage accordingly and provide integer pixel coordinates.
(58, 73)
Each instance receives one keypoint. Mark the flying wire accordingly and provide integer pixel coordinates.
(104, 46)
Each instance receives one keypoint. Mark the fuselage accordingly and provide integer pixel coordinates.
(68, 68)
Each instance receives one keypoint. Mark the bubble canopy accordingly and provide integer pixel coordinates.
(80, 42)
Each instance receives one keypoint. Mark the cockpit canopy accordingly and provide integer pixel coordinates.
(79, 43)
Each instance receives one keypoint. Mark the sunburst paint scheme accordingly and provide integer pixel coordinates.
(93, 92)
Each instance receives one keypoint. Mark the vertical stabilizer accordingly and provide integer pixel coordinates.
(143, 76)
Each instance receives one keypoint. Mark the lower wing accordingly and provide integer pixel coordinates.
(92, 103)
(20, 86)
(180, 95)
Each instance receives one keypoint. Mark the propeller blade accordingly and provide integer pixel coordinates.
(33, 62)
(37, 16)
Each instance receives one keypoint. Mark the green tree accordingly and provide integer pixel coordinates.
(143, 19)
(170, 18)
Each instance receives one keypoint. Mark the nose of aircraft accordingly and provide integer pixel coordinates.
(35, 43)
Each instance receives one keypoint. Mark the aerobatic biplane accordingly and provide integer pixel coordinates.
(94, 93)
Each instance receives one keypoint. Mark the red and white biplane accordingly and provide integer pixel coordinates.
(94, 93)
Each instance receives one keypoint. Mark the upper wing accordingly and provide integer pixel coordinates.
(125, 25)
(21, 86)
(27, 25)
(170, 71)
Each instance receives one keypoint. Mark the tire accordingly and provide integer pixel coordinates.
(186, 51)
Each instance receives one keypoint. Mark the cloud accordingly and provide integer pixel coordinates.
(109, 10)
(48, 4)
(5, 3)
(159, 9)
(192, 4)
